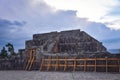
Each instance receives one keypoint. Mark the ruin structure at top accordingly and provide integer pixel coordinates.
(71, 41)
(66, 50)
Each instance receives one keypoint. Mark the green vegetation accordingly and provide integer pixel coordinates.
(3, 53)
(10, 48)
(9, 52)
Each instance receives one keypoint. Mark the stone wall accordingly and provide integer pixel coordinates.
(72, 41)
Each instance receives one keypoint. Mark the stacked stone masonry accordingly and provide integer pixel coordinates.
(72, 41)
(70, 44)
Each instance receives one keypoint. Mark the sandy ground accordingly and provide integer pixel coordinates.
(38, 75)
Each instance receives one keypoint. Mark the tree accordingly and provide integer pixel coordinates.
(10, 48)
(4, 53)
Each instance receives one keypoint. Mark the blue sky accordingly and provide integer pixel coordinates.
(20, 19)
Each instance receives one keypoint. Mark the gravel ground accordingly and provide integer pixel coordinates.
(37, 75)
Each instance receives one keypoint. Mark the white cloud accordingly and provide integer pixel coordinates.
(69, 14)
(94, 10)
(115, 24)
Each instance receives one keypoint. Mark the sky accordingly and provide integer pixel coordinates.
(20, 19)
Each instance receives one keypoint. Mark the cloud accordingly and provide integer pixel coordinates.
(109, 38)
(9, 29)
(40, 18)
(19, 23)
(23, 18)
(7, 23)
(114, 24)
(93, 10)
(113, 40)
(4, 23)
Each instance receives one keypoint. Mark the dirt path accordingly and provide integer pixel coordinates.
(37, 75)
